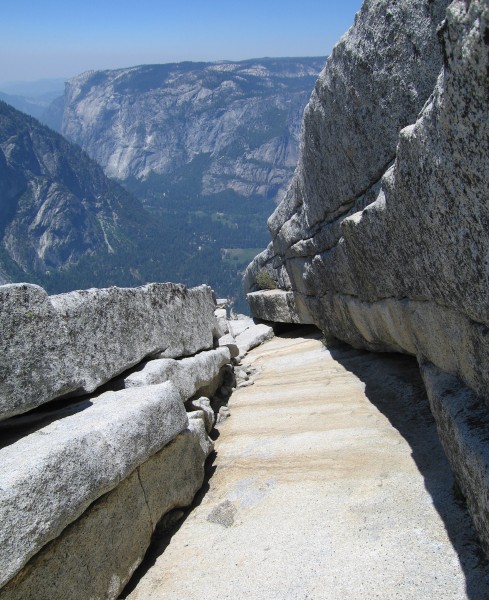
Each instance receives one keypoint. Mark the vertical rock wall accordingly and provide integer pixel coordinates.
(382, 239)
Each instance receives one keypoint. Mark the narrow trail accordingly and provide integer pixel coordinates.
(329, 483)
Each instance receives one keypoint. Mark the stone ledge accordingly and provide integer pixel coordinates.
(75, 342)
(278, 306)
(51, 476)
(188, 375)
(463, 424)
(96, 555)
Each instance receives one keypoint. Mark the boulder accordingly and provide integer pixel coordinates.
(253, 336)
(110, 539)
(202, 405)
(237, 326)
(229, 342)
(220, 314)
(278, 306)
(73, 343)
(49, 477)
(188, 375)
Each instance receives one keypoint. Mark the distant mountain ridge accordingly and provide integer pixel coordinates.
(35, 98)
(231, 126)
(203, 149)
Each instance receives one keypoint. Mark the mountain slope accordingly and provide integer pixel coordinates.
(57, 206)
(230, 126)
(65, 225)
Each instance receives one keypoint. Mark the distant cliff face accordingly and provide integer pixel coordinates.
(65, 225)
(382, 239)
(57, 206)
(234, 125)
(56, 203)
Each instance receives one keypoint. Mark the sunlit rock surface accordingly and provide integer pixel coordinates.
(382, 238)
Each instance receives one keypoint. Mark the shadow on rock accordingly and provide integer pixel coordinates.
(167, 528)
(393, 384)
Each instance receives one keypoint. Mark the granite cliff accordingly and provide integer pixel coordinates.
(228, 126)
(57, 206)
(381, 239)
(65, 225)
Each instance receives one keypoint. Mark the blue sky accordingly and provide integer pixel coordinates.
(61, 38)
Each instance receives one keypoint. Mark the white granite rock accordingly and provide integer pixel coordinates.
(229, 342)
(52, 475)
(188, 375)
(75, 342)
(253, 336)
(220, 314)
(202, 405)
(278, 306)
(237, 326)
(111, 537)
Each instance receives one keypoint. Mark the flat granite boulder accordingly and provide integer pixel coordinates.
(237, 326)
(51, 476)
(252, 337)
(229, 342)
(110, 539)
(278, 306)
(75, 342)
(188, 375)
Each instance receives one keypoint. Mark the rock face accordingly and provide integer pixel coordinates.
(381, 239)
(52, 346)
(230, 126)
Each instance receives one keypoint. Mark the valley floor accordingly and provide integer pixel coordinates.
(328, 482)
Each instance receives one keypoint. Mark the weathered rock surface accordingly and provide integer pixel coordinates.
(381, 239)
(74, 342)
(463, 422)
(330, 483)
(278, 306)
(202, 405)
(237, 326)
(111, 537)
(253, 336)
(50, 477)
(229, 342)
(220, 314)
(188, 375)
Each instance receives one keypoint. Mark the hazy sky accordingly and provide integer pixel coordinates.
(61, 38)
